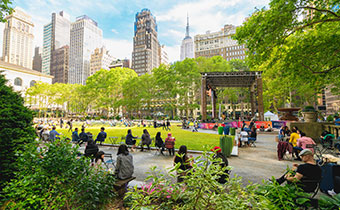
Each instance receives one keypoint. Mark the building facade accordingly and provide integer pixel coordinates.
(18, 39)
(187, 46)
(125, 63)
(37, 59)
(219, 43)
(85, 38)
(332, 102)
(100, 59)
(163, 58)
(145, 55)
(46, 54)
(60, 64)
(21, 78)
(56, 35)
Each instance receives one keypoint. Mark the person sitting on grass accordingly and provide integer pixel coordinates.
(184, 162)
(170, 144)
(130, 140)
(146, 140)
(124, 164)
(159, 142)
(306, 175)
(101, 136)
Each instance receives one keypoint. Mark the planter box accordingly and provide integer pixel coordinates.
(309, 116)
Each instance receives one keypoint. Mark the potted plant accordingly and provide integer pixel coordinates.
(309, 114)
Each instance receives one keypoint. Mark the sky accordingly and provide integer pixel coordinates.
(116, 18)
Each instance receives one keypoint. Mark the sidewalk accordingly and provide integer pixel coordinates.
(253, 163)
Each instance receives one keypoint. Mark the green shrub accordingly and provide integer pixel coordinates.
(330, 118)
(308, 109)
(177, 118)
(15, 130)
(200, 191)
(117, 117)
(55, 178)
(329, 203)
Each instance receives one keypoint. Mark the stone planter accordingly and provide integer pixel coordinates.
(309, 116)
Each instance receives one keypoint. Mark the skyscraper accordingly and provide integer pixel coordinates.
(85, 37)
(145, 55)
(37, 59)
(187, 47)
(100, 59)
(46, 54)
(56, 35)
(60, 64)
(18, 39)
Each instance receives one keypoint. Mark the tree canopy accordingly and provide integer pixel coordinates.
(296, 43)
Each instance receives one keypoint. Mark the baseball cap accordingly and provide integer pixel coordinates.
(306, 152)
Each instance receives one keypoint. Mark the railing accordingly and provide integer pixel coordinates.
(333, 129)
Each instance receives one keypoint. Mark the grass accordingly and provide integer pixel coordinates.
(193, 140)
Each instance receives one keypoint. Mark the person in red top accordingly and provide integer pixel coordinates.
(304, 141)
(170, 144)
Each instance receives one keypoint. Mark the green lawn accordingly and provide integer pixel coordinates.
(193, 140)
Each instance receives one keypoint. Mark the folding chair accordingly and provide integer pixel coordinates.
(251, 141)
(110, 161)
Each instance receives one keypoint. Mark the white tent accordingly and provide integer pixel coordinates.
(269, 116)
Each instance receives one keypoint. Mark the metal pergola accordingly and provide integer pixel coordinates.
(246, 79)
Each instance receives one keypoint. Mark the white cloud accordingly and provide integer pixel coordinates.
(173, 52)
(119, 48)
(114, 31)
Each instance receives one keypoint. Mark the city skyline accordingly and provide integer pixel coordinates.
(116, 19)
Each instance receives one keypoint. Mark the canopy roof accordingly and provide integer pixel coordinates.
(231, 79)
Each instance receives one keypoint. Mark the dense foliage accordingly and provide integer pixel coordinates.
(15, 130)
(296, 43)
(54, 177)
(6, 9)
(202, 191)
(172, 87)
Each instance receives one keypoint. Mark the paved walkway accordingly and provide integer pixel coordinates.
(253, 163)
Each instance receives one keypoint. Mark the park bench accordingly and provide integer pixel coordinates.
(120, 185)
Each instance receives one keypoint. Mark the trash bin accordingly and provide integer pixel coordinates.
(226, 130)
(220, 130)
(232, 131)
(226, 144)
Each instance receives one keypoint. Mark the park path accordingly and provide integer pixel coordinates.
(253, 163)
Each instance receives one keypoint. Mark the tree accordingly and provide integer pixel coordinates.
(303, 49)
(15, 130)
(6, 9)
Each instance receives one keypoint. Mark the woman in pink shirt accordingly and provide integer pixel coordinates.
(304, 141)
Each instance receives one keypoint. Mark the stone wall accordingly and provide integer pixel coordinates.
(311, 129)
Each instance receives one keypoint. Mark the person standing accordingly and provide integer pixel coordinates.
(70, 123)
(170, 144)
(101, 136)
(61, 122)
(168, 125)
(75, 136)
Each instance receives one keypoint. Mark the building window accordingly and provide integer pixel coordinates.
(32, 83)
(18, 81)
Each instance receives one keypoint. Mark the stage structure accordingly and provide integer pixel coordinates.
(247, 79)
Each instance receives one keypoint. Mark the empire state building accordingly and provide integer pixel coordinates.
(187, 47)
